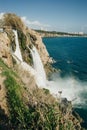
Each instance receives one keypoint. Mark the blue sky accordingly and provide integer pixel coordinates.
(59, 15)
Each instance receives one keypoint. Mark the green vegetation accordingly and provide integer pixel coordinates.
(22, 116)
(22, 39)
(46, 91)
(25, 51)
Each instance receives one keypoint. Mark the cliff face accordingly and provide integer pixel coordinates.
(26, 36)
(5, 49)
(40, 46)
(24, 106)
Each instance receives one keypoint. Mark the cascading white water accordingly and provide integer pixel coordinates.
(17, 53)
(40, 76)
(38, 66)
(18, 57)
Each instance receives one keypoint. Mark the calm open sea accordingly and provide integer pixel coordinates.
(70, 54)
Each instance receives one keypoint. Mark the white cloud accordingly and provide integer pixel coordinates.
(1, 15)
(34, 24)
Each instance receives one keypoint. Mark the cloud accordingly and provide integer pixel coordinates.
(1, 15)
(34, 24)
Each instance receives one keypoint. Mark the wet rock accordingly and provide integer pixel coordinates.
(65, 105)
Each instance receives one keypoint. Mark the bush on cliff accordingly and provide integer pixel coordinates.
(12, 20)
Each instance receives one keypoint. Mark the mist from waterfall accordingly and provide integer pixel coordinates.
(71, 88)
(38, 73)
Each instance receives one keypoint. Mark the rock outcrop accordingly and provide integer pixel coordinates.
(27, 36)
(5, 49)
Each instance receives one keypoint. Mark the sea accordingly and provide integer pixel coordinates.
(70, 56)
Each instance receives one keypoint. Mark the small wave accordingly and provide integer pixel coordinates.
(75, 64)
(76, 71)
(69, 62)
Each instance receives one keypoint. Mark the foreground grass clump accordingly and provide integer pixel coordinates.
(23, 117)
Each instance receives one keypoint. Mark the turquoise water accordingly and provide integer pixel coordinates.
(70, 54)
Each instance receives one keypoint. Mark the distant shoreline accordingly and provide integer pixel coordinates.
(62, 36)
(48, 34)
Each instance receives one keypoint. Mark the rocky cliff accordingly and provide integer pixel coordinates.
(26, 36)
(24, 106)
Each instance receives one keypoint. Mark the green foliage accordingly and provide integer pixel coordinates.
(16, 106)
(51, 118)
(22, 39)
(21, 116)
(69, 125)
(6, 69)
(46, 91)
(3, 65)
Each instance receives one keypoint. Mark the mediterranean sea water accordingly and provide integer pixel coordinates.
(70, 54)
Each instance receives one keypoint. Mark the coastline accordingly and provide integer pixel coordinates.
(58, 34)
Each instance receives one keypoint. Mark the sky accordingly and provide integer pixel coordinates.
(51, 15)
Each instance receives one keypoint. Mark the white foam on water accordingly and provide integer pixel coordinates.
(73, 89)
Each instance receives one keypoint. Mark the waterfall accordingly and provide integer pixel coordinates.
(18, 57)
(38, 66)
(37, 70)
(17, 53)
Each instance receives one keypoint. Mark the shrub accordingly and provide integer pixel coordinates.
(46, 91)
(14, 21)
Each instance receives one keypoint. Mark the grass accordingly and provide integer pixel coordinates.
(22, 39)
(22, 116)
(15, 103)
